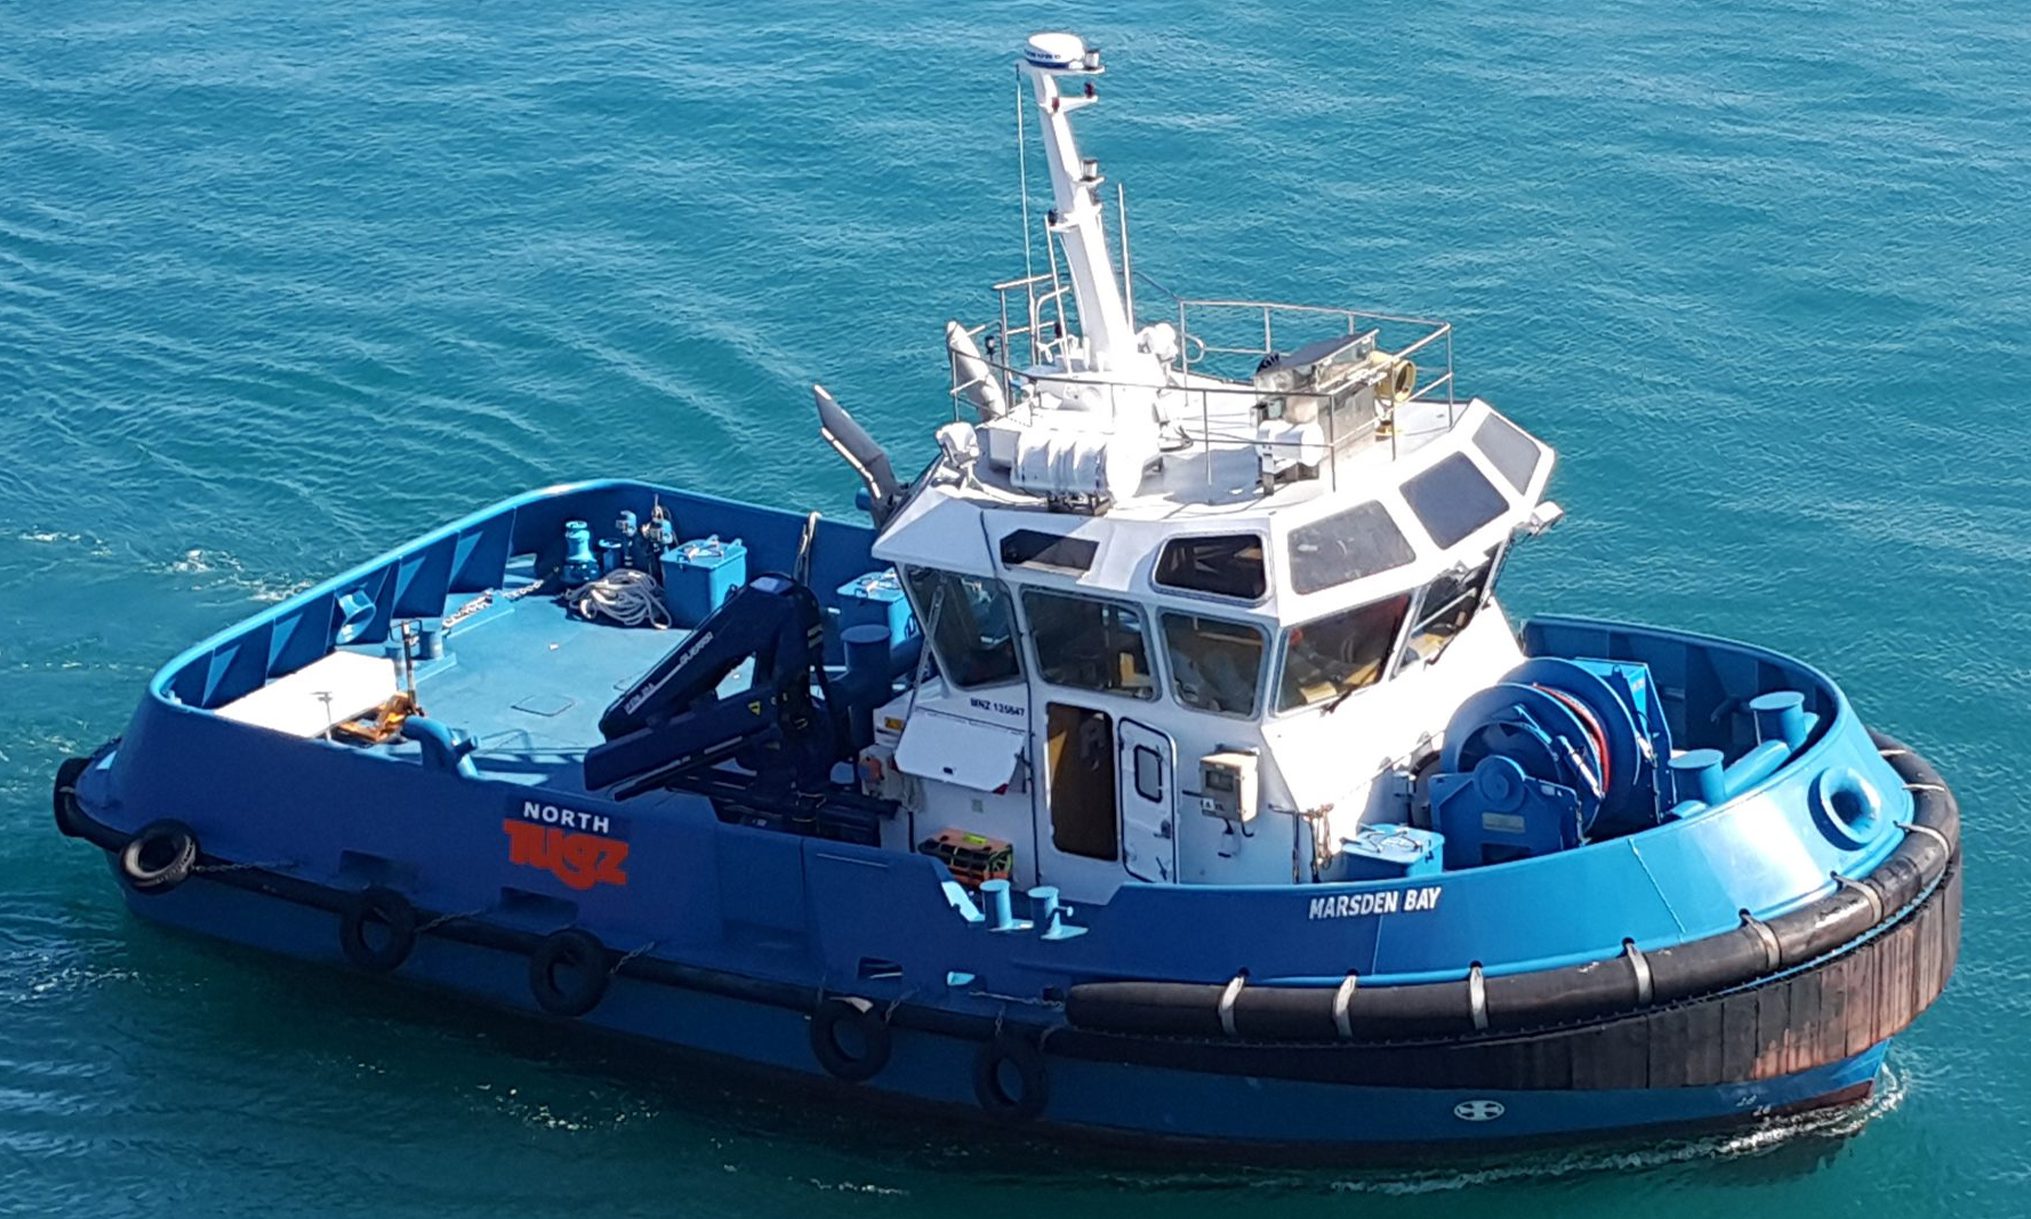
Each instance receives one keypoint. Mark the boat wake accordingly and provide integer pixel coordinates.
(1777, 1145)
(1812, 1135)
(222, 571)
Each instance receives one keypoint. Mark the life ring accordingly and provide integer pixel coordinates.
(850, 1038)
(392, 913)
(159, 857)
(568, 973)
(1010, 1079)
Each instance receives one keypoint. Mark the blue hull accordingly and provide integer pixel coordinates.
(1750, 956)
(1132, 1103)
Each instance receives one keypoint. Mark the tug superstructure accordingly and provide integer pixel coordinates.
(1159, 761)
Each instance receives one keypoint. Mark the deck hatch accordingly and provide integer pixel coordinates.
(545, 705)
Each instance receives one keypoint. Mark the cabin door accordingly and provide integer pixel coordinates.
(1145, 773)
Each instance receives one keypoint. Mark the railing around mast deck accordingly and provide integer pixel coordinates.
(1043, 340)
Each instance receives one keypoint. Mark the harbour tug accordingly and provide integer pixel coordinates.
(1158, 763)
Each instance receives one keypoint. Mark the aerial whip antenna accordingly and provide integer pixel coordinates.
(1023, 176)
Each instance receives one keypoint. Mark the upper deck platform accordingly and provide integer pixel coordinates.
(1212, 397)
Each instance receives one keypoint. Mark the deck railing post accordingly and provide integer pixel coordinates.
(1008, 390)
(1451, 414)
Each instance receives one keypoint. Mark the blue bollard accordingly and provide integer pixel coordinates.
(1050, 915)
(429, 639)
(1696, 777)
(1780, 716)
(1000, 914)
(1000, 908)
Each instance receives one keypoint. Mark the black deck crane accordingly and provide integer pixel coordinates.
(673, 722)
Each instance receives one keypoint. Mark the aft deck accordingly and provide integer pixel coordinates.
(522, 674)
(529, 681)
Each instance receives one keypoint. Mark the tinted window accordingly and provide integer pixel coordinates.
(1339, 654)
(971, 624)
(1453, 499)
(1215, 665)
(1346, 546)
(1513, 454)
(1035, 548)
(1226, 566)
(1450, 603)
(1089, 644)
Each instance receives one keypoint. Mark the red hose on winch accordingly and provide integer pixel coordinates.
(1591, 723)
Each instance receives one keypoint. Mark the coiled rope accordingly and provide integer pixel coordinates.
(627, 595)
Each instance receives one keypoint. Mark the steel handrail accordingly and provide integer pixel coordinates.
(1041, 290)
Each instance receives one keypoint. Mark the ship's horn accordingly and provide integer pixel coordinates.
(868, 459)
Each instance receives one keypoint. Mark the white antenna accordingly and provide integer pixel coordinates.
(1023, 176)
(1075, 183)
(1127, 268)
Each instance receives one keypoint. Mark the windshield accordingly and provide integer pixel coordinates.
(1339, 654)
(1448, 605)
(1216, 665)
(1089, 644)
(970, 624)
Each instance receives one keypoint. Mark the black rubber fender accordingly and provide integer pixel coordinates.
(1277, 1013)
(1822, 926)
(840, 1059)
(1165, 1009)
(1516, 1001)
(1385, 1011)
(1011, 1059)
(64, 797)
(160, 856)
(1709, 964)
(389, 910)
(568, 972)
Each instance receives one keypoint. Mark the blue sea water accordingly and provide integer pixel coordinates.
(282, 284)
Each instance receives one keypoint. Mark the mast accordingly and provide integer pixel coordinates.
(1075, 187)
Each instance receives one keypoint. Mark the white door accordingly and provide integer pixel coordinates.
(1144, 773)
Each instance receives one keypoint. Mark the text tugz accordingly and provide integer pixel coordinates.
(579, 848)
(579, 860)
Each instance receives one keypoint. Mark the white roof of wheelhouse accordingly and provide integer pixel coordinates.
(954, 526)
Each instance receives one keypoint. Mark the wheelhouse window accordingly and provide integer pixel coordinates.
(1513, 454)
(1224, 565)
(1216, 665)
(1346, 546)
(1453, 499)
(1448, 604)
(1089, 644)
(1332, 657)
(971, 624)
(1035, 548)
